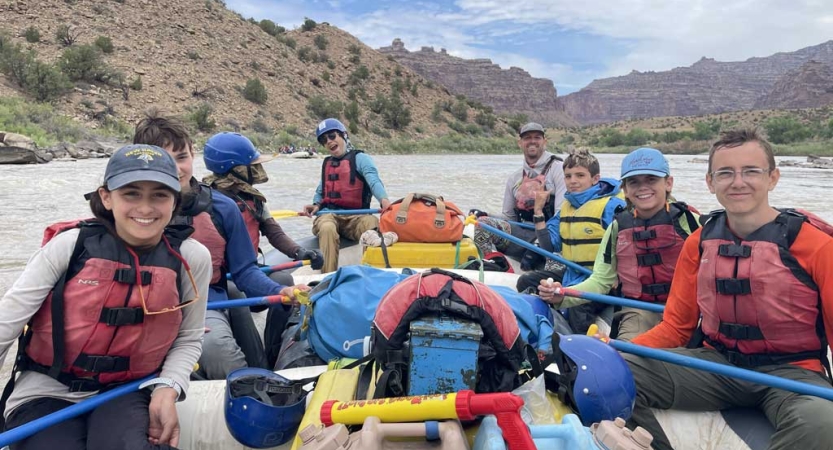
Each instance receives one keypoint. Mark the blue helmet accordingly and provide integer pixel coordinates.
(327, 125)
(595, 379)
(263, 409)
(225, 150)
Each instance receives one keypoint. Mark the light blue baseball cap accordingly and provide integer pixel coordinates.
(645, 161)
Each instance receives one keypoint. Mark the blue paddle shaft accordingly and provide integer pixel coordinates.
(535, 248)
(611, 300)
(347, 212)
(254, 301)
(35, 426)
(725, 370)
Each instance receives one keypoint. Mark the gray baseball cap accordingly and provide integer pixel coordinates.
(531, 126)
(141, 162)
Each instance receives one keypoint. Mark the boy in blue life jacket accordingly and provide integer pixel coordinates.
(576, 231)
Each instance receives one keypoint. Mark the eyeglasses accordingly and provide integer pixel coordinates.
(324, 138)
(141, 291)
(750, 174)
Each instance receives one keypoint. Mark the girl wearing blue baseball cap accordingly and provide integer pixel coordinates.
(640, 248)
(108, 301)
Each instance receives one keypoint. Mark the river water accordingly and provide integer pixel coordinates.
(34, 196)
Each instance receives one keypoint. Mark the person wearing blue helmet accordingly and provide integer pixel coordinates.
(349, 179)
(640, 247)
(233, 341)
(236, 166)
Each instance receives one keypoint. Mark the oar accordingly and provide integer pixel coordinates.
(725, 370)
(610, 299)
(301, 297)
(268, 300)
(527, 226)
(720, 369)
(348, 212)
(283, 214)
(37, 425)
(278, 267)
(528, 246)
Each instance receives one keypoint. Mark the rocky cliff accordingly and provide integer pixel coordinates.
(509, 91)
(809, 86)
(706, 87)
(189, 53)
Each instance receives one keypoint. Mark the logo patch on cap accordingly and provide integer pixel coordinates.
(642, 161)
(144, 154)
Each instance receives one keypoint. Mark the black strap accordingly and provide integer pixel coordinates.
(644, 235)
(734, 250)
(656, 288)
(740, 331)
(117, 317)
(761, 359)
(648, 259)
(102, 363)
(734, 286)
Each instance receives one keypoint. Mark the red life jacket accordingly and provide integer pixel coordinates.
(252, 212)
(199, 214)
(526, 190)
(438, 291)
(344, 187)
(92, 331)
(647, 251)
(758, 305)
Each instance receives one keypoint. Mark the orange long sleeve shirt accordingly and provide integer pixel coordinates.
(812, 248)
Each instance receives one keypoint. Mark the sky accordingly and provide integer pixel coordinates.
(570, 42)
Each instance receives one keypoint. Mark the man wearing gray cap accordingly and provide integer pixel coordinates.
(541, 174)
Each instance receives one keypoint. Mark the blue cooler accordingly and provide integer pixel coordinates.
(443, 355)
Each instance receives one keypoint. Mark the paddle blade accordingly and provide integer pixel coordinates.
(283, 214)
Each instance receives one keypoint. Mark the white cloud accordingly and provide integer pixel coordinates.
(652, 34)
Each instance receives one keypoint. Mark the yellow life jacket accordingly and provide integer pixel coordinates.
(581, 230)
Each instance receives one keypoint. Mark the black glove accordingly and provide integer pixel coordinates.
(314, 256)
(478, 213)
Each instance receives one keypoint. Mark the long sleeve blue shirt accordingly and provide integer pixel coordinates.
(241, 260)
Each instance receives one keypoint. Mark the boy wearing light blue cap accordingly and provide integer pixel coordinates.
(640, 248)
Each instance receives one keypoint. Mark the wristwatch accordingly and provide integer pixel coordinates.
(538, 219)
(167, 382)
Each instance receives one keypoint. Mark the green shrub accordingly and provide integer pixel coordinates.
(360, 74)
(286, 40)
(321, 42)
(104, 43)
(270, 27)
(255, 92)
(355, 59)
(136, 85)
(259, 126)
(706, 129)
(201, 117)
(32, 34)
(308, 24)
(484, 119)
(354, 49)
(46, 82)
(351, 112)
(331, 65)
(460, 110)
(320, 108)
(304, 53)
(397, 85)
(39, 121)
(437, 113)
(637, 137)
(325, 76)
(193, 55)
(66, 35)
(786, 130)
(83, 63)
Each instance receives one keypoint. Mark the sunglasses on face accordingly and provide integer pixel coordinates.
(324, 138)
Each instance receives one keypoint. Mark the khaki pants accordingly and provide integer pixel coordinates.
(632, 322)
(801, 421)
(330, 228)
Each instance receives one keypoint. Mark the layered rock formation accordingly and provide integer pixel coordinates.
(809, 86)
(706, 87)
(506, 91)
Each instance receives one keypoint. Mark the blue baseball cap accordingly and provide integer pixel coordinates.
(141, 162)
(645, 161)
